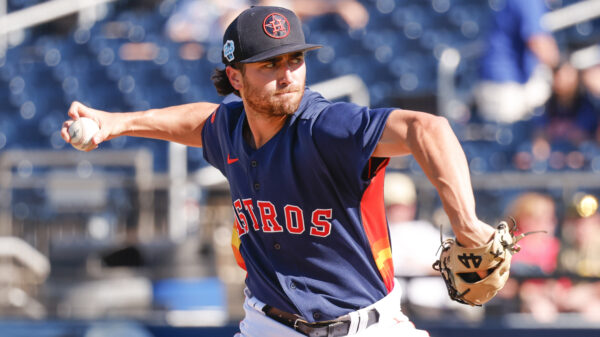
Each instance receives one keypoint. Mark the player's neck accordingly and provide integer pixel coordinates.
(261, 128)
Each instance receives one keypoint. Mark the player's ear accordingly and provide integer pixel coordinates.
(235, 77)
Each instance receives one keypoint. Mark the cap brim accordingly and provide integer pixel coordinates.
(281, 50)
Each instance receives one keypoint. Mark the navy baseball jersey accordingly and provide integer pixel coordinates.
(309, 213)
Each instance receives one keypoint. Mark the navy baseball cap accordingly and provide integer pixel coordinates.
(263, 32)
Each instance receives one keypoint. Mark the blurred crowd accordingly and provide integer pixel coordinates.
(526, 76)
(551, 268)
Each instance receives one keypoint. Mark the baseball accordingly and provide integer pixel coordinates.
(81, 133)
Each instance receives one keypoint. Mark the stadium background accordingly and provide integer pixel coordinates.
(133, 240)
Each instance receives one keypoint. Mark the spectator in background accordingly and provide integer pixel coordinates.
(539, 253)
(580, 256)
(538, 256)
(569, 113)
(515, 68)
(582, 297)
(581, 243)
(591, 82)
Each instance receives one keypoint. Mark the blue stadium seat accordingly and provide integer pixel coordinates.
(189, 294)
(13, 5)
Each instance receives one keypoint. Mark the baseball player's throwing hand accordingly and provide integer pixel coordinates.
(78, 110)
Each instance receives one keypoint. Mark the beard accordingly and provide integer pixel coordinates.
(282, 102)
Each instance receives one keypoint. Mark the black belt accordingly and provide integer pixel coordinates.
(332, 328)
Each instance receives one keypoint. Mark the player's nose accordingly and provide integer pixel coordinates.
(286, 75)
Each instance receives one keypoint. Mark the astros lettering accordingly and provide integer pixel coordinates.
(264, 217)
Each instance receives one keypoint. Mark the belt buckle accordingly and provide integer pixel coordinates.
(299, 321)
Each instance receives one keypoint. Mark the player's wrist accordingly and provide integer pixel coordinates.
(477, 234)
(129, 123)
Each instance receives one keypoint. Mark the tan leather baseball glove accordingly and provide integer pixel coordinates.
(461, 267)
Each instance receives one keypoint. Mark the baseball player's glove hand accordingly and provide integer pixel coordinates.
(461, 267)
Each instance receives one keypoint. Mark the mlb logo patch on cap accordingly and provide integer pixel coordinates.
(228, 49)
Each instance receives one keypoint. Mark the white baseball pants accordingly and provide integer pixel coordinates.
(392, 322)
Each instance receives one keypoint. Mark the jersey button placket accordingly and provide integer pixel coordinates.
(253, 174)
(316, 316)
(277, 246)
(293, 285)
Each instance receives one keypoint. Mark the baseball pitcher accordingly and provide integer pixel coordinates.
(306, 180)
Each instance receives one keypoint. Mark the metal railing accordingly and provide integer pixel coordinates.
(139, 160)
(38, 14)
(22, 270)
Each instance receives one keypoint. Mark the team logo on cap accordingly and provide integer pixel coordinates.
(228, 49)
(276, 26)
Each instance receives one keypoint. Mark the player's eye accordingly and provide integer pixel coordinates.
(297, 59)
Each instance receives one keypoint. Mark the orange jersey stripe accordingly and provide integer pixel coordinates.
(374, 221)
(235, 246)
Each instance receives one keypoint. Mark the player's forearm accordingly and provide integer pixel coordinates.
(437, 150)
(181, 124)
